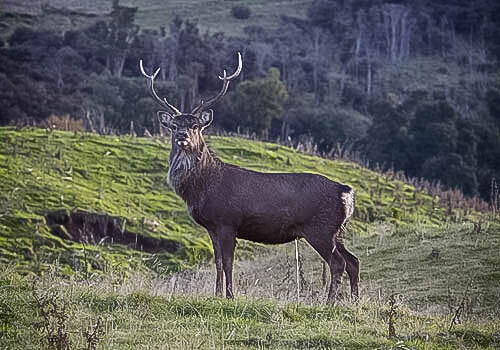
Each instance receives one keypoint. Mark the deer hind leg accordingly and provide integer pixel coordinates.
(352, 268)
(328, 251)
(337, 269)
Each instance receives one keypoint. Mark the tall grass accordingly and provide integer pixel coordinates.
(137, 312)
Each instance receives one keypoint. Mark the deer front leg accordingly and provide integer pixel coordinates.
(218, 265)
(227, 243)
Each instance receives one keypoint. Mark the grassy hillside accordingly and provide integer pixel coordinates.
(405, 240)
(125, 217)
(45, 175)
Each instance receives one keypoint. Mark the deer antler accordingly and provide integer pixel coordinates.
(222, 92)
(163, 102)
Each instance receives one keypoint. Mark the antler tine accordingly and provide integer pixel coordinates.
(226, 80)
(172, 107)
(238, 70)
(151, 78)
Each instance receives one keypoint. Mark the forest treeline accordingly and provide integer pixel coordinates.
(412, 85)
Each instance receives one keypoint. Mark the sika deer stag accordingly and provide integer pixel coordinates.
(232, 202)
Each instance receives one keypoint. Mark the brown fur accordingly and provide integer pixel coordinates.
(232, 202)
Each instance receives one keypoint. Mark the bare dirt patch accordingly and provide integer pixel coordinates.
(99, 228)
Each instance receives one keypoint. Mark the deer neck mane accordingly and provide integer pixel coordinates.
(190, 170)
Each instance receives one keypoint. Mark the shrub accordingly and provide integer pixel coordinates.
(21, 35)
(241, 12)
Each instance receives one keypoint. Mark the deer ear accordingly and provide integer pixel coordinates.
(206, 118)
(165, 119)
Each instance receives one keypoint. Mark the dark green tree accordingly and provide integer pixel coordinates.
(452, 171)
(444, 147)
(386, 141)
(256, 102)
(321, 13)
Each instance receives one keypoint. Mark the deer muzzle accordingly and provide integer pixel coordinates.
(182, 143)
(182, 139)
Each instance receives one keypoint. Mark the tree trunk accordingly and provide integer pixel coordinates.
(443, 24)
(120, 63)
(284, 129)
(316, 43)
(393, 38)
(369, 79)
(357, 48)
(403, 36)
(387, 25)
(172, 72)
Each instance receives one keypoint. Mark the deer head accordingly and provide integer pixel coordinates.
(187, 128)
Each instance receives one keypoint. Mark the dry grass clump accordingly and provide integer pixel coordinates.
(65, 122)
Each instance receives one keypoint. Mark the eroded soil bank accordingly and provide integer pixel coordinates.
(100, 228)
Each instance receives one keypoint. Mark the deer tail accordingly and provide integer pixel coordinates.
(347, 199)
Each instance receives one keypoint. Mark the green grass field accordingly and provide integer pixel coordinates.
(407, 241)
(211, 15)
(44, 171)
(142, 312)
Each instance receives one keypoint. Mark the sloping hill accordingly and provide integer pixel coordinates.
(60, 190)
(74, 204)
